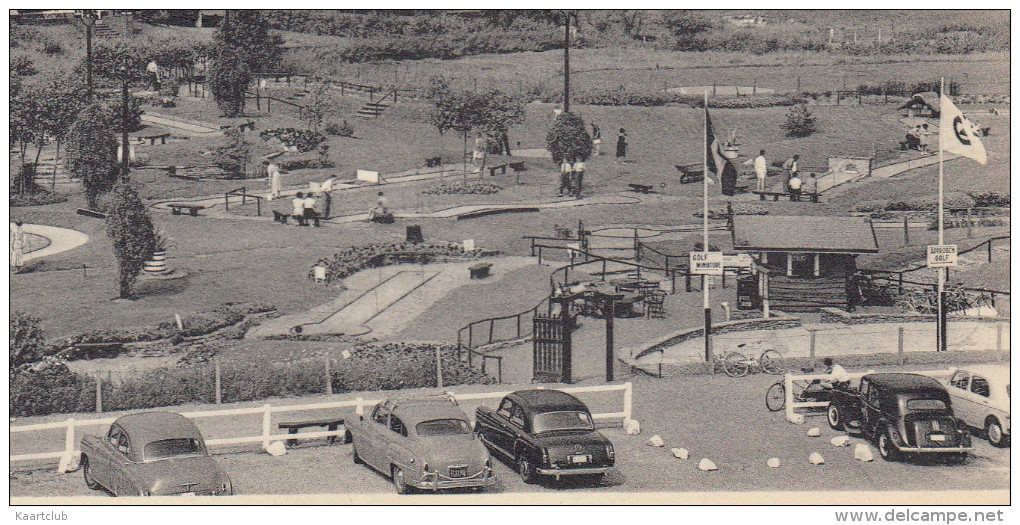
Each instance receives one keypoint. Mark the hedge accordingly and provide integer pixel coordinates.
(357, 258)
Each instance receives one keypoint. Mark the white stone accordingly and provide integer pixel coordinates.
(680, 453)
(840, 441)
(773, 463)
(796, 419)
(68, 463)
(707, 465)
(346, 354)
(656, 441)
(816, 459)
(632, 427)
(814, 432)
(276, 448)
(862, 452)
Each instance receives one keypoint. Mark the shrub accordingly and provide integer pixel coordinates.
(341, 129)
(986, 200)
(39, 198)
(49, 387)
(303, 140)
(130, 229)
(799, 122)
(471, 187)
(739, 208)
(233, 155)
(26, 339)
(134, 116)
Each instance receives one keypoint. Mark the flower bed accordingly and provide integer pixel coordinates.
(302, 139)
(357, 258)
(720, 212)
(471, 187)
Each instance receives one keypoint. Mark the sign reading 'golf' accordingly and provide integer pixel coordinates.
(941, 255)
(707, 263)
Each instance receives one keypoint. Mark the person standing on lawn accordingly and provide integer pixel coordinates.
(152, 71)
(274, 179)
(621, 146)
(299, 209)
(596, 139)
(792, 168)
(17, 246)
(761, 169)
(565, 170)
(925, 133)
(478, 157)
(578, 178)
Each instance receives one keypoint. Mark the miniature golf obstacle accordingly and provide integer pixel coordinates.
(816, 459)
(368, 176)
(814, 432)
(414, 235)
(656, 441)
(706, 465)
(680, 453)
(468, 245)
(276, 449)
(632, 427)
(840, 441)
(862, 452)
(773, 463)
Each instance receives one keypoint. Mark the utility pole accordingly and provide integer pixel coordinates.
(566, 62)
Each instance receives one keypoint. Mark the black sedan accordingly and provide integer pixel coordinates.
(545, 433)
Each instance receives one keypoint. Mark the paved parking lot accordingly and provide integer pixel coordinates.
(716, 417)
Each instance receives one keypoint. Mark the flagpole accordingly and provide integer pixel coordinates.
(940, 322)
(704, 243)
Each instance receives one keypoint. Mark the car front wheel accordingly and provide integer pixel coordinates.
(993, 429)
(886, 448)
(526, 470)
(86, 470)
(834, 416)
(398, 481)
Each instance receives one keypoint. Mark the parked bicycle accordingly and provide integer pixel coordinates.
(738, 364)
(803, 391)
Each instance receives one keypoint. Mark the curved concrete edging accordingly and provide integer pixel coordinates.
(60, 240)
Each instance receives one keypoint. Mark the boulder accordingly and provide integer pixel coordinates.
(656, 441)
(796, 419)
(276, 448)
(680, 453)
(816, 459)
(632, 427)
(840, 441)
(773, 463)
(814, 432)
(346, 354)
(862, 452)
(706, 465)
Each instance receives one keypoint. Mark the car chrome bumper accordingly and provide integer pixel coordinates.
(559, 472)
(935, 450)
(436, 481)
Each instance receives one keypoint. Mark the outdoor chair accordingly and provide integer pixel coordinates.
(654, 304)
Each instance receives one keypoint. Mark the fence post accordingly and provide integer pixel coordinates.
(492, 328)
(226, 201)
(540, 254)
(359, 409)
(266, 416)
(813, 337)
(628, 402)
(258, 206)
(788, 390)
(989, 250)
(69, 441)
(687, 280)
(99, 392)
(499, 369)
(998, 342)
(329, 379)
(603, 270)
(906, 232)
(471, 337)
(518, 326)
(899, 344)
(218, 378)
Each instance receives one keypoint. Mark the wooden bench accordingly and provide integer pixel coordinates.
(330, 423)
(517, 166)
(480, 270)
(176, 208)
(152, 138)
(492, 169)
(91, 213)
(689, 174)
(433, 162)
(813, 197)
(641, 188)
(280, 217)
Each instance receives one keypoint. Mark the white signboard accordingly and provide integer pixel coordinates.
(368, 176)
(740, 260)
(941, 255)
(469, 245)
(707, 263)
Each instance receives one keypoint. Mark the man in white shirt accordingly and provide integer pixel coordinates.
(299, 209)
(792, 168)
(795, 184)
(153, 73)
(761, 169)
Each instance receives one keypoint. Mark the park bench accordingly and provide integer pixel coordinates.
(641, 188)
(152, 138)
(330, 423)
(177, 208)
(517, 166)
(250, 125)
(480, 270)
(492, 169)
(91, 213)
(433, 162)
(280, 217)
(813, 197)
(688, 174)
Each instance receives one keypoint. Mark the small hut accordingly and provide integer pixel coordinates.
(810, 262)
(927, 104)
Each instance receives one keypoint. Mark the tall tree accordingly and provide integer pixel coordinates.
(568, 140)
(130, 229)
(229, 79)
(247, 30)
(92, 151)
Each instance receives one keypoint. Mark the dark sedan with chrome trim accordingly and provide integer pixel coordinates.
(545, 433)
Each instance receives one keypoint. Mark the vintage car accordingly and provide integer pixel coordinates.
(545, 432)
(902, 413)
(422, 443)
(152, 454)
(981, 400)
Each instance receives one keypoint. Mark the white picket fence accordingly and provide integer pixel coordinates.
(69, 452)
(792, 405)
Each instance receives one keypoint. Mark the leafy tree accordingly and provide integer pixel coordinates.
(321, 103)
(92, 151)
(134, 115)
(463, 111)
(686, 28)
(229, 79)
(134, 238)
(234, 154)
(27, 343)
(799, 122)
(498, 112)
(568, 140)
(247, 30)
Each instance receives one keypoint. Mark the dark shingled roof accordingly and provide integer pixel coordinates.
(757, 233)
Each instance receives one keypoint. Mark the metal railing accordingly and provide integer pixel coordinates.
(242, 192)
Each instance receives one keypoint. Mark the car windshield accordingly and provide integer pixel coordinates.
(168, 448)
(552, 421)
(443, 427)
(925, 404)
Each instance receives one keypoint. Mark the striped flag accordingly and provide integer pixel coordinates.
(716, 162)
(956, 133)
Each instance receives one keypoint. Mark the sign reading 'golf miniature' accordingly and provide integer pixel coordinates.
(707, 263)
(941, 255)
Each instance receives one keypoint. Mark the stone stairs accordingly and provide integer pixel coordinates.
(50, 172)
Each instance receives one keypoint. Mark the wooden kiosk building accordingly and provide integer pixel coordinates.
(804, 263)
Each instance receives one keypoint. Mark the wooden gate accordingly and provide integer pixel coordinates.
(552, 349)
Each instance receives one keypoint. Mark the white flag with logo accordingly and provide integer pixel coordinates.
(956, 133)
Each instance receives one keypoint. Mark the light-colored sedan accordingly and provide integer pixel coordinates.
(980, 397)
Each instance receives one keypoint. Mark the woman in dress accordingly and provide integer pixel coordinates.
(621, 145)
(17, 246)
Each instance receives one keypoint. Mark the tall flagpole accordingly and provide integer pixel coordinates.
(940, 322)
(704, 243)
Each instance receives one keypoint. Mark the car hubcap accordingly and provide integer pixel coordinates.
(994, 433)
(883, 445)
(833, 416)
